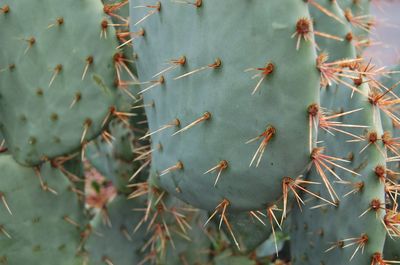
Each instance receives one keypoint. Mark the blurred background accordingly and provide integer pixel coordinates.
(385, 48)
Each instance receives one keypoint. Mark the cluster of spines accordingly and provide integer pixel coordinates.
(331, 72)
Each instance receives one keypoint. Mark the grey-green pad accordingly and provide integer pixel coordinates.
(319, 235)
(328, 25)
(115, 159)
(43, 228)
(220, 30)
(249, 231)
(118, 244)
(46, 108)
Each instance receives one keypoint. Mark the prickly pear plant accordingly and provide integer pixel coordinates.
(174, 227)
(115, 226)
(263, 114)
(391, 219)
(228, 258)
(392, 244)
(3, 147)
(62, 75)
(357, 13)
(114, 155)
(191, 248)
(358, 194)
(334, 41)
(41, 217)
(195, 97)
(128, 84)
(251, 228)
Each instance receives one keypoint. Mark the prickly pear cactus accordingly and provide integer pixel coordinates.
(335, 41)
(251, 229)
(392, 249)
(228, 258)
(190, 248)
(112, 238)
(227, 123)
(115, 157)
(61, 74)
(176, 229)
(41, 218)
(119, 117)
(360, 198)
(356, 189)
(392, 244)
(357, 13)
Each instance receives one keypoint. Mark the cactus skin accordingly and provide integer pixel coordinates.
(359, 8)
(128, 250)
(175, 228)
(227, 258)
(392, 245)
(114, 159)
(127, 96)
(390, 81)
(249, 231)
(3, 146)
(392, 249)
(117, 242)
(225, 92)
(123, 145)
(193, 249)
(38, 228)
(74, 170)
(314, 226)
(99, 153)
(50, 107)
(323, 23)
(312, 232)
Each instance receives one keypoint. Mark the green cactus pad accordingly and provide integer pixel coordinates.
(228, 258)
(192, 248)
(316, 237)
(328, 25)
(43, 227)
(392, 249)
(359, 9)
(216, 39)
(177, 228)
(312, 233)
(117, 243)
(48, 106)
(115, 159)
(249, 230)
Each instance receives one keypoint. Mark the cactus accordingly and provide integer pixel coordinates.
(134, 140)
(214, 87)
(357, 193)
(252, 229)
(3, 146)
(227, 258)
(62, 92)
(118, 229)
(392, 244)
(391, 251)
(113, 155)
(357, 13)
(175, 227)
(192, 248)
(335, 41)
(359, 196)
(41, 216)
